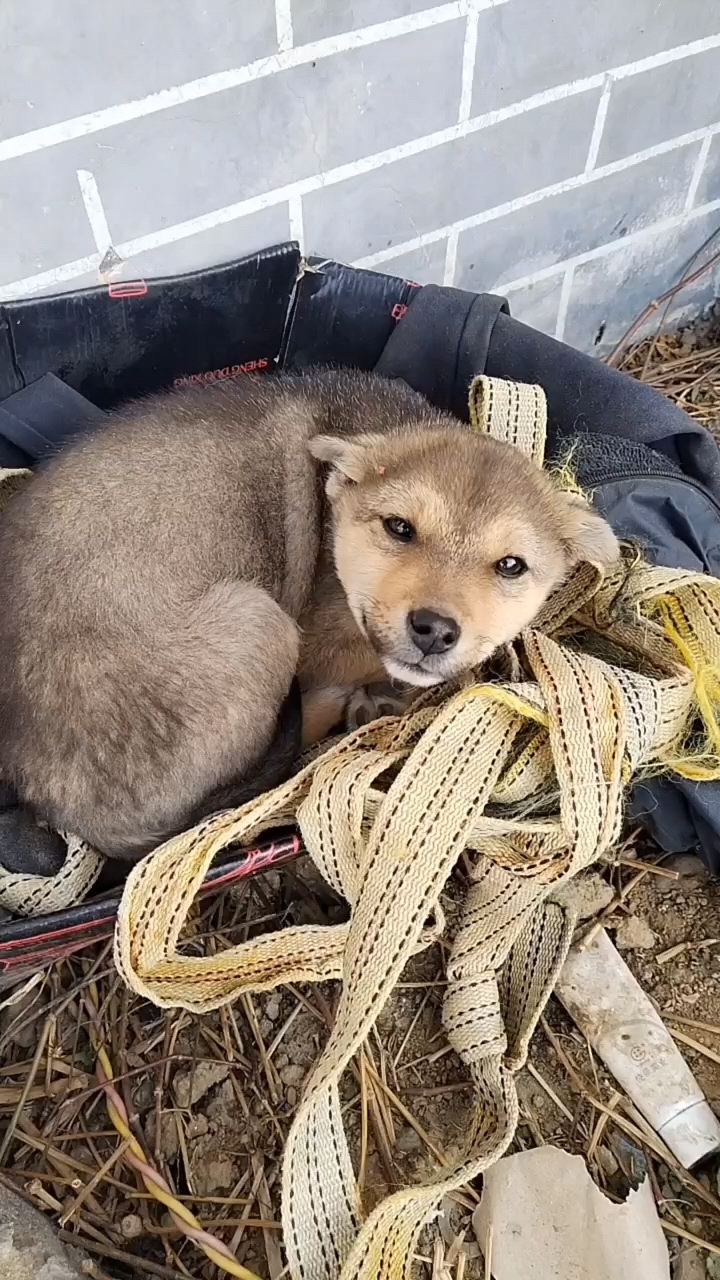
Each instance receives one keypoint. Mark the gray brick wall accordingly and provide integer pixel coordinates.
(564, 152)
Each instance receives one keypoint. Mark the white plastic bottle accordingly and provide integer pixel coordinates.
(612, 1010)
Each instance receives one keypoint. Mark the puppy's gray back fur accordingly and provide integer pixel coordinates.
(150, 576)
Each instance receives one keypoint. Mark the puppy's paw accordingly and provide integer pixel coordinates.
(374, 701)
(322, 709)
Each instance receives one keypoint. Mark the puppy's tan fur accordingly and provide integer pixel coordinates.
(162, 581)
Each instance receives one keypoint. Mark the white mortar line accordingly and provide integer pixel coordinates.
(83, 125)
(614, 246)
(254, 204)
(353, 169)
(675, 54)
(468, 64)
(221, 81)
(343, 173)
(599, 126)
(451, 258)
(533, 197)
(94, 210)
(218, 82)
(562, 310)
(207, 221)
(297, 230)
(283, 25)
(698, 170)
(50, 279)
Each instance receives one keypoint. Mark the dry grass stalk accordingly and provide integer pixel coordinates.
(696, 1045)
(673, 1229)
(681, 947)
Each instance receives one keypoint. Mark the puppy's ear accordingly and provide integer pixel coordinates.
(587, 536)
(345, 456)
(349, 460)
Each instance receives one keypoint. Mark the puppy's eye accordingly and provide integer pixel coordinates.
(400, 529)
(511, 567)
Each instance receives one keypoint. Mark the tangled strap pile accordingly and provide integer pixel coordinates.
(618, 675)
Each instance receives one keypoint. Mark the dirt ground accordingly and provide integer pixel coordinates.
(212, 1098)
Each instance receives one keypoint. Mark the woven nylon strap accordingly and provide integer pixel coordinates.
(619, 668)
(31, 895)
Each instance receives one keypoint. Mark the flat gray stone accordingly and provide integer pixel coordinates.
(29, 1248)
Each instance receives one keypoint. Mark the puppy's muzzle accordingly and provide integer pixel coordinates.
(431, 632)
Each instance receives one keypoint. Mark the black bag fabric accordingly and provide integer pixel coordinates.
(675, 521)
(652, 471)
(119, 341)
(448, 336)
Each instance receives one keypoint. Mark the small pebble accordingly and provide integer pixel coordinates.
(191, 1086)
(691, 870)
(687, 864)
(635, 1160)
(592, 893)
(224, 1099)
(272, 1009)
(634, 933)
(292, 1075)
(215, 1175)
(197, 1126)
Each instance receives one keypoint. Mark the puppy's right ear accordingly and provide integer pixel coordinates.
(347, 461)
(587, 535)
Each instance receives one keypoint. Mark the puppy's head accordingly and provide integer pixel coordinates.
(447, 543)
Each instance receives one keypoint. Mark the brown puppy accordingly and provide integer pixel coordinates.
(162, 582)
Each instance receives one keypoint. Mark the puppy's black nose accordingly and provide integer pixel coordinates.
(431, 632)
